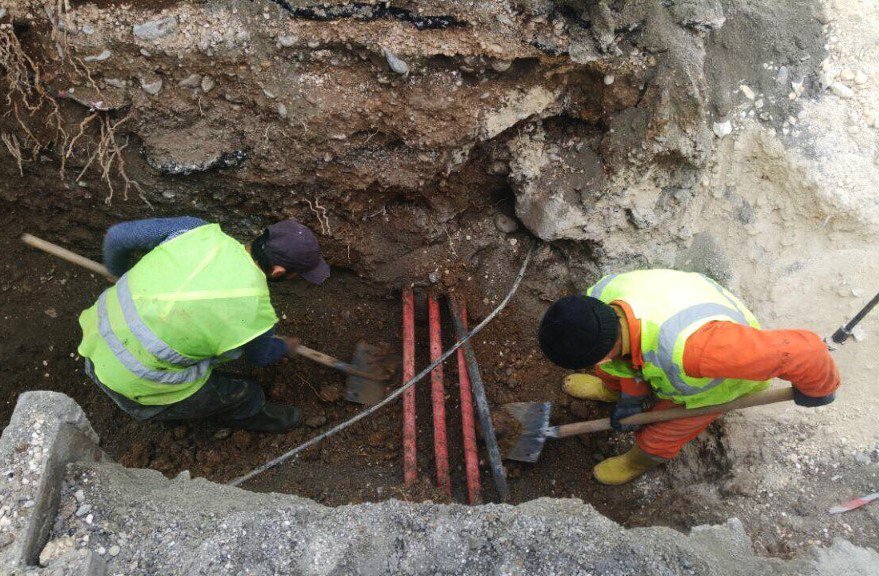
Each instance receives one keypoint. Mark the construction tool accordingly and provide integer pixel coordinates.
(533, 417)
(855, 503)
(370, 366)
(482, 408)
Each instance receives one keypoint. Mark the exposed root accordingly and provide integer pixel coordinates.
(107, 156)
(321, 213)
(14, 148)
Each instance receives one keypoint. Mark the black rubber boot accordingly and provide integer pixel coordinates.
(272, 418)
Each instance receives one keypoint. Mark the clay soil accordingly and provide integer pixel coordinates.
(41, 299)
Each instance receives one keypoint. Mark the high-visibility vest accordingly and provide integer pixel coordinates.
(187, 305)
(671, 306)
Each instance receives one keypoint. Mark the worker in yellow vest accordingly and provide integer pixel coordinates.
(655, 339)
(197, 299)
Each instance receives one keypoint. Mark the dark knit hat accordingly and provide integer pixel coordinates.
(578, 331)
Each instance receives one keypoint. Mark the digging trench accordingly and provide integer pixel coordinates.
(427, 144)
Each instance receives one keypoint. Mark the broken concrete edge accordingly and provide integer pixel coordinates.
(46, 432)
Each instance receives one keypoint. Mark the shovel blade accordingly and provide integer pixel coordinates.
(533, 417)
(372, 359)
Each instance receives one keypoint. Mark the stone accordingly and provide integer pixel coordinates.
(83, 510)
(116, 82)
(6, 538)
(287, 41)
(860, 78)
(746, 91)
(396, 65)
(113, 550)
(608, 79)
(501, 65)
(222, 433)
(207, 84)
(191, 81)
(155, 29)
(152, 88)
(98, 57)
(282, 110)
(505, 224)
(56, 548)
(722, 129)
(841, 90)
(316, 421)
(700, 15)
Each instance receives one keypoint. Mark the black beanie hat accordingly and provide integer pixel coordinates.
(578, 331)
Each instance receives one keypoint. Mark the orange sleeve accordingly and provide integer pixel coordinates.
(628, 386)
(730, 350)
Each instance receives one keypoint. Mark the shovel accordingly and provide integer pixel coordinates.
(370, 366)
(533, 417)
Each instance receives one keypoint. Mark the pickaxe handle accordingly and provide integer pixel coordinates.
(758, 399)
(66, 254)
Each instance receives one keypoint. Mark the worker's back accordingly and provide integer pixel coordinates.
(156, 335)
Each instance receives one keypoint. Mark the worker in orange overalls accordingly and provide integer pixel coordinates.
(655, 339)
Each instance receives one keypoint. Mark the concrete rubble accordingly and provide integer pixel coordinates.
(140, 522)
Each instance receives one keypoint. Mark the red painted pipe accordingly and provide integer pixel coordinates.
(471, 454)
(438, 397)
(410, 459)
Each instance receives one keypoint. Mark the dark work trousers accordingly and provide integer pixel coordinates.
(224, 397)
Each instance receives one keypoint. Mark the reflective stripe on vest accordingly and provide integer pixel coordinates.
(670, 331)
(191, 373)
(601, 285)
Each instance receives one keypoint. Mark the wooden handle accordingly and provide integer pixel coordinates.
(331, 362)
(71, 257)
(758, 399)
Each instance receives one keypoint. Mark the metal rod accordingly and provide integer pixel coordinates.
(468, 423)
(494, 452)
(845, 331)
(410, 458)
(438, 398)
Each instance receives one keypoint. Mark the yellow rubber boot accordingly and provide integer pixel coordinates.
(625, 467)
(588, 387)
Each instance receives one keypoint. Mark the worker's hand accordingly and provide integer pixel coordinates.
(627, 406)
(291, 343)
(812, 401)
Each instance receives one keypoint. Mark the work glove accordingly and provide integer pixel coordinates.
(812, 401)
(627, 406)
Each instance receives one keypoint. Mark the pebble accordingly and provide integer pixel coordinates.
(746, 91)
(79, 495)
(83, 510)
(722, 129)
(316, 421)
(287, 41)
(152, 88)
(155, 29)
(101, 550)
(847, 74)
(51, 312)
(6, 538)
(501, 65)
(98, 57)
(191, 81)
(396, 65)
(207, 84)
(114, 550)
(282, 110)
(222, 434)
(116, 82)
(90, 518)
(841, 90)
(608, 79)
(860, 78)
(505, 224)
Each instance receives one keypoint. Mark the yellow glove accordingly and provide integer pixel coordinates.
(588, 387)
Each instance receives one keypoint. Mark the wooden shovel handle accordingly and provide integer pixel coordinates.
(758, 399)
(66, 254)
(328, 360)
